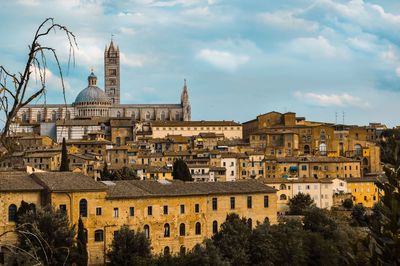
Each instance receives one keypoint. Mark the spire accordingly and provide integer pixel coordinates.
(185, 102)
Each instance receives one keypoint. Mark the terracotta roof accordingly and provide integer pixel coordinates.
(137, 189)
(297, 180)
(67, 182)
(313, 159)
(194, 123)
(82, 122)
(121, 122)
(17, 181)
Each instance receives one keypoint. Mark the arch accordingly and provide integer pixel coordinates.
(68, 115)
(306, 149)
(365, 161)
(198, 229)
(147, 116)
(39, 116)
(166, 230)
(53, 115)
(341, 149)
(166, 251)
(24, 117)
(358, 149)
(182, 229)
(282, 197)
(322, 149)
(282, 187)
(118, 141)
(215, 227)
(98, 235)
(83, 207)
(182, 250)
(146, 229)
(162, 116)
(12, 213)
(177, 116)
(250, 223)
(322, 136)
(133, 115)
(118, 114)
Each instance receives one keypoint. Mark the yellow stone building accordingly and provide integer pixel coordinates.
(174, 215)
(364, 191)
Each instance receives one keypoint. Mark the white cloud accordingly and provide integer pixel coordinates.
(287, 20)
(197, 12)
(316, 47)
(28, 2)
(398, 71)
(223, 59)
(343, 99)
(127, 31)
(135, 60)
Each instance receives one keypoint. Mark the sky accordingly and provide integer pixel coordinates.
(318, 58)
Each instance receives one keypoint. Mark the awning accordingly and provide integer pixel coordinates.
(293, 168)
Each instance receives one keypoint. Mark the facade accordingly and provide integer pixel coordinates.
(174, 215)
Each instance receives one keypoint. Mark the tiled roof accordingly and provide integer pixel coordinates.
(313, 159)
(17, 181)
(297, 180)
(194, 123)
(67, 181)
(136, 189)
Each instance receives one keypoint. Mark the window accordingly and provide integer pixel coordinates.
(304, 167)
(266, 202)
(146, 230)
(98, 211)
(197, 208)
(182, 229)
(232, 203)
(116, 212)
(198, 229)
(307, 187)
(98, 235)
(182, 208)
(83, 206)
(165, 210)
(214, 204)
(182, 250)
(215, 227)
(249, 202)
(118, 141)
(282, 197)
(166, 230)
(63, 208)
(12, 213)
(166, 251)
(132, 211)
(149, 210)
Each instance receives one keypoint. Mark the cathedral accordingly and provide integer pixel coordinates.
(94, 104)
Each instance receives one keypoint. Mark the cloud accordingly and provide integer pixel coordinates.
(28, 2)
(135, 60)
(222, 59)
(287, 20)
(343, 99)
(127, 31)
(316, 47)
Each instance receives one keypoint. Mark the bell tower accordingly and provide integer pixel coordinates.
(112, 73)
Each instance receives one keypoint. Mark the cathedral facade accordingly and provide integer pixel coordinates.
(93, 103)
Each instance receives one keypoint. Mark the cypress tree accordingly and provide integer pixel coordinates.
(64, 167)
(181, 171)
(81, 245)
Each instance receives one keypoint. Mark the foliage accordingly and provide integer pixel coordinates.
(125, 173)
(385, 232)
(64, 167)
(80, 254)
(129, 248)
(181, 171)
(47, 235)
(299, 203)
(348, 204)
(23, 209)
(390, 147)
(359, 216)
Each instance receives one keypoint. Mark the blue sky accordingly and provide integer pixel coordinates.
(241, 58)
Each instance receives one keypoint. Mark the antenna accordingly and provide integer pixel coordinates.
(336, 118)
(343, 117)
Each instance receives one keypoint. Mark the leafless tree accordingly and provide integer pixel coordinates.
(16, 90)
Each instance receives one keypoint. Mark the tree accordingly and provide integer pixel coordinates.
(262, 247)
(16, 91)
(233, 240)
(299, 203)
(385, 233)
(64, 167)
(181, 171)
(359, 216)
(105, 173)
(348, 204)
(47, 235)
(129, 248)
(80, 255)
(24, 209)
(205, 254)
(125, 173)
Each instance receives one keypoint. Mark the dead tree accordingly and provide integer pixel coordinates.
(14, 93)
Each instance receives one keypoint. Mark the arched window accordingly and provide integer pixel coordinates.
(54, 116)
(39, 117)
(68, 115)
(341, 149)
(24, 117)
(146, 229)
(118, 141)
(133, 116)
(306, 149)
(98, 235)
(118, 114)
(215, 227)
(198, 229)
(148, 116)
(250, 223)
(83, 208)
(166, 230)
(166, 251)
(322, 149)
(283, 197)
(162, 117)
(182, 250)
(182, 229)
(282, 187)
(177, 116)
(12, 213)
(358, 149)
(322, 136)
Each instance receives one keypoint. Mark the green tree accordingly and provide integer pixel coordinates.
(233, 240)
(262, 247)
(80, 255)
(64, 167)
(348, 204)
(359, 216)
(181, 171)
(105, 173)
(299, 203)
(317, 220)
(205, 254)
(47, 235)
(385, 233)
(129, 248)
(23, 209)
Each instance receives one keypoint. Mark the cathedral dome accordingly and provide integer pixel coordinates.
(92, 94)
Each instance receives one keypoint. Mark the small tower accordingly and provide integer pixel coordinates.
(112, 73)
(187, 113)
